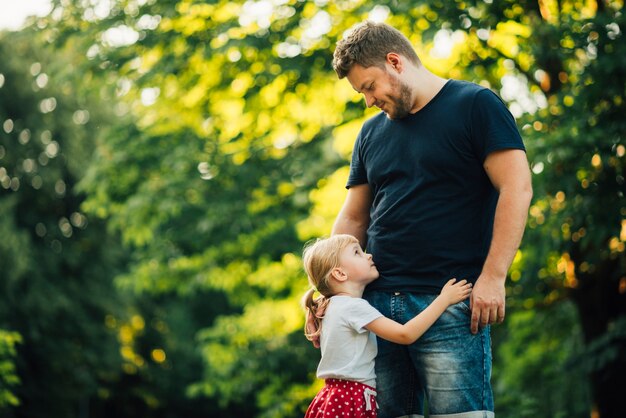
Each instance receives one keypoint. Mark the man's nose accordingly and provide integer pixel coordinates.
(369, 256)
(369, 100)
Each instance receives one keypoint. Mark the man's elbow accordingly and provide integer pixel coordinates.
(527, 192)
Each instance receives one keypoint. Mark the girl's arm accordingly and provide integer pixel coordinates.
(407, 334)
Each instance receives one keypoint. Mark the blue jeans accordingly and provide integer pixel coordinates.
(448, 365)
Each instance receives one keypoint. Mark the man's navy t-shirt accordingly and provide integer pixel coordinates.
(433, 207)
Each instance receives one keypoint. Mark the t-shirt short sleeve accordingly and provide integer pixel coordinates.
(492, 125)
(361, 313)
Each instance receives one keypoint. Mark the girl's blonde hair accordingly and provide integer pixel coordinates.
(320, 257)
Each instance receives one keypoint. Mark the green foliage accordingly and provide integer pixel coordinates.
(579, 159)
(56, 267)
(8, 376)
(534, 353)
(87, 347)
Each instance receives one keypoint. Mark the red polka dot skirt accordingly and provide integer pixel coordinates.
(343, 399)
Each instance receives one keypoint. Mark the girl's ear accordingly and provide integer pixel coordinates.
(338, 274)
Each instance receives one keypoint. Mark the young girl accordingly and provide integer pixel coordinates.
(339, 270)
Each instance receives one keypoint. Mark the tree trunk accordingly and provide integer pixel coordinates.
(600, 304)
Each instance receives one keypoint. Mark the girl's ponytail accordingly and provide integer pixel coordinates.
(315, 309)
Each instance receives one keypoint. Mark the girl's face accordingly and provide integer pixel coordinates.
(357, 265)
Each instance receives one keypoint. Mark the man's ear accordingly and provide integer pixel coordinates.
(395, 61)
(338, 274)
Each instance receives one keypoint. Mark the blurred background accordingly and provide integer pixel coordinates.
(162, 164)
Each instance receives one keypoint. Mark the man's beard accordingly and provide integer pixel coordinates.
(402, 103)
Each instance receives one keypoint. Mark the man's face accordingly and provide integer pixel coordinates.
(383, 88)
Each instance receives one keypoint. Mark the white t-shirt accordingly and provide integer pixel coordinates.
(348, 349)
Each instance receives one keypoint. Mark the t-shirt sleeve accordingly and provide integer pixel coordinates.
(493, 126)
(361, 313)
(357, 175)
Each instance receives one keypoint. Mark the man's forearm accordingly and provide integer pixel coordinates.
(357, 229)
(354, 216)
(508, 229)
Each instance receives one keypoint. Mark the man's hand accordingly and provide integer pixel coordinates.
(487, 302)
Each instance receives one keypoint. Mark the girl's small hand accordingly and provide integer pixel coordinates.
(454, 292)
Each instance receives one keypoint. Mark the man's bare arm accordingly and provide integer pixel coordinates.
(509, 173)
(354, 216)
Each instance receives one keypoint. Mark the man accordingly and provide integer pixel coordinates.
(439, 187)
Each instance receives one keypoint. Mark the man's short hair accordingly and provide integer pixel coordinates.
(367, 44)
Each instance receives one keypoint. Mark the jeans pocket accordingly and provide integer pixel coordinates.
(464, 306)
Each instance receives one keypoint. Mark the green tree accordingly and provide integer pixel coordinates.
(57, 265)
(89, 347)
(579, 221)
